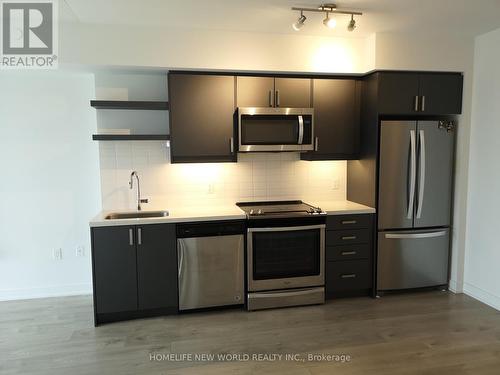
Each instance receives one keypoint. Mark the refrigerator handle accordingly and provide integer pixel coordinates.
(402, 236)
(421, 185)
(413, 167)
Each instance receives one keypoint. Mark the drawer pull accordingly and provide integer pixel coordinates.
(349, 238)
(345, 222)
(348, 276)
(349, 252)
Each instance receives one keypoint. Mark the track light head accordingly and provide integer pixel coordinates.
(300, 22)
(329, 22)
(352, 24)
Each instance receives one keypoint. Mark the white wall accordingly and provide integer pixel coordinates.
(49, 182)
(482, 257)
(211, 49)
(444, 53)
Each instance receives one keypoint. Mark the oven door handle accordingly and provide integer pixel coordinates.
(287, 229)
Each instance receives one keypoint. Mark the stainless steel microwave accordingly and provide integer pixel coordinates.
(275, 129)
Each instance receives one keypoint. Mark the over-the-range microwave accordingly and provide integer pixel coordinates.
(275, 129)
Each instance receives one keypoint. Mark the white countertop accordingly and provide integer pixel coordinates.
(226, 212)
(176, 215)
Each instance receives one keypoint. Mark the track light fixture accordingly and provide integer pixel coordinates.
(329, 22)
(352, 24)
(300, 22)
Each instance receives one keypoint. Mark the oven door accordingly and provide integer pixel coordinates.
(275, 129)
(286, 257)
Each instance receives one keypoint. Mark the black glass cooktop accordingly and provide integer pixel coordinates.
(279, 208)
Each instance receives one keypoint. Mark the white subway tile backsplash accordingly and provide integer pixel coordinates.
(263, 176)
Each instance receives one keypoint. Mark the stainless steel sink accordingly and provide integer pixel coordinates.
(136, 215)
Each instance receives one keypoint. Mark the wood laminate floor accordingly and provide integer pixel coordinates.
(426, 333)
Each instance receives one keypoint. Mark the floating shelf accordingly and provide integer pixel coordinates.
(130, 137)
(126, 104)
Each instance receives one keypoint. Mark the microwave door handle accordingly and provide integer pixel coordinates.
(301, 130)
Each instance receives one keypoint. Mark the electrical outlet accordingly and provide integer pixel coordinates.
(80, 251)
(211, 188)
(58, 254)
(336, 184)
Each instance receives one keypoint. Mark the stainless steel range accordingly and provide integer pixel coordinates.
(285, 253)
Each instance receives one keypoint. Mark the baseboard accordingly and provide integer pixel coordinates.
(454, 287)
(44, 292)
(482, 295)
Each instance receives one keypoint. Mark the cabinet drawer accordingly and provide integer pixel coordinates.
(339, 222)
(348, 275)
(348, 237)
(348, 252)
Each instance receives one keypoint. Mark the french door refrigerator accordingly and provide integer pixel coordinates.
(414, 204)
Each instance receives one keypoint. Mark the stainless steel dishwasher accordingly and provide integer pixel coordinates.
(210, 259)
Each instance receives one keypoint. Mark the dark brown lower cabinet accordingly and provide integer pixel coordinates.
(134, 271)
(348, 276)
(114, 269)
(349, 255)
(157, 267)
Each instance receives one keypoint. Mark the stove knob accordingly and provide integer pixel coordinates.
(251, 212)
(259, 212)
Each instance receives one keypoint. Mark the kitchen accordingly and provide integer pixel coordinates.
(282, 119)
(262, 193)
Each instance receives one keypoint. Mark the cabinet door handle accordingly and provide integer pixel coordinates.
(139, 236)
(416, 103)
(231, 145)
(277, 98)
(131, 237)
(316, 144)
(270, 98)
(348, 276)
(423, 103)
(346, 222)
(349, 238)
(349, 252)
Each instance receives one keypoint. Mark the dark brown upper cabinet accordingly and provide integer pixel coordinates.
(202, 107)
(293, 92)
(405, 93)
(336, 104)
(273, 92)
(441, 94)
(255, 91)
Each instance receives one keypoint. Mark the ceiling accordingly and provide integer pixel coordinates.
(468, 18)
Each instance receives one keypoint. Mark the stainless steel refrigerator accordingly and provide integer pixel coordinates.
(414, 204)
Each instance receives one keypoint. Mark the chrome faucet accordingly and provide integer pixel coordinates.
(131, 184)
